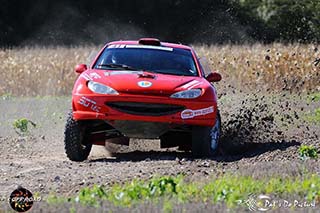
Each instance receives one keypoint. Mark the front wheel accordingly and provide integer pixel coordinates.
(75, 140)
(205, 140)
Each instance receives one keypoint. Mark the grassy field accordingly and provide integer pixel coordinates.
(49, 70)
(227, 190)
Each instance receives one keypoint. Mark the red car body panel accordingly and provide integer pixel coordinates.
(88, 105)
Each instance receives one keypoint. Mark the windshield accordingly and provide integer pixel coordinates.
(165, 60)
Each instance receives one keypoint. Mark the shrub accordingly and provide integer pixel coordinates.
(21, 125)
(306, 151)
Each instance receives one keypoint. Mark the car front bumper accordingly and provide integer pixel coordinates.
(102, 107)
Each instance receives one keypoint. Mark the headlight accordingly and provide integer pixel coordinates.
(192, 93)
(101, 89)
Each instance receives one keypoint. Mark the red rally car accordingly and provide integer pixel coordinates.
(144, 89)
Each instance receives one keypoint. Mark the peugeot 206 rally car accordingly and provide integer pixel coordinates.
(144, 89)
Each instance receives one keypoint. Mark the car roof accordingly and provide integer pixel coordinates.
(163, 44)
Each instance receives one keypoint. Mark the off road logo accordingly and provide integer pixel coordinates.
(144, 84)
(257, 203)
(21, 200)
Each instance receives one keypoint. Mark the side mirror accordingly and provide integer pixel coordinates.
(80, 68)
(214, 77)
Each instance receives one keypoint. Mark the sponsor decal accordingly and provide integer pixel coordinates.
(195, 85)
(191, 84)
(88, 103)
(139, 46)
(110, 73)
(189, 113)
(94, 75)
(144, 84)
(86, 76)
(150, 47)
(116, 46)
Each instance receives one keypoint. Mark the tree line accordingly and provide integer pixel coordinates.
(70, 22)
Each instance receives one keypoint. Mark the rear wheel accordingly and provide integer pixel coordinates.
(205, 140)
(76, 146)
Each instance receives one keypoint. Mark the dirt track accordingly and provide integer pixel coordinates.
(38, 163)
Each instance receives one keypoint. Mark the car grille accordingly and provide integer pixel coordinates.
(145, 108)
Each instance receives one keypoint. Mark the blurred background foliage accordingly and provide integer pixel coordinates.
(67, 22)
(284, 20)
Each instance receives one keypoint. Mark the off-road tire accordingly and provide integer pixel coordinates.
(74, 141)
(201, 140)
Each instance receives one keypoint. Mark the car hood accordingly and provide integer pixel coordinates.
(144, 82)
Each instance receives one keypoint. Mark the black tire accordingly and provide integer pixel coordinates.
(202, 140)
(74, 141)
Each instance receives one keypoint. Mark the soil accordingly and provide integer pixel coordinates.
(261, 137)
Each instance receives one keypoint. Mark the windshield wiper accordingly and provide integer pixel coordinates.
(166, 73)
(117, 66)
(171, 73)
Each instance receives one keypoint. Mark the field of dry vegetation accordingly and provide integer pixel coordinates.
(49, 70)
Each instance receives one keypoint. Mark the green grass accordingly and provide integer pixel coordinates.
(227, 189)
(6, 96)
(306, 152)
(315, 97)
(313, 117)
(21, 125)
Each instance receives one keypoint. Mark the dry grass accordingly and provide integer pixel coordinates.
(49, 71)
(267, 67)
(40, 70)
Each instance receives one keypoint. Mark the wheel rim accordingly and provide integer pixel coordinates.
(214, 135)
